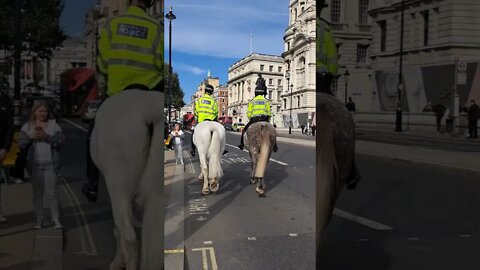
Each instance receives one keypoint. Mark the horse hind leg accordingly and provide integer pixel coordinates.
(260, 189)
(204, 168)
(127, 243)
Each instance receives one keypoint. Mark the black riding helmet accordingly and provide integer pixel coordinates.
(208, 89)
(148, 3)
(260, 91)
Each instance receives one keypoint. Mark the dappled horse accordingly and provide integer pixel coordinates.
(209, 139)
(127, 147)
(259, 141)
(335, 150)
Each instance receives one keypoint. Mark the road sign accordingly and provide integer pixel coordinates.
(462, 67)
(462, 78)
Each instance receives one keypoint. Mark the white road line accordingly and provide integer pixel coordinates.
(273, 160)
(81, 215)
(75, 125)
(361, 220)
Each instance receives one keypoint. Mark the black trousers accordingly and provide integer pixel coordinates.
(473, 128)
(261, 118)
(323, 82)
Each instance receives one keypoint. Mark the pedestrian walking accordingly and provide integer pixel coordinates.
(41, 138)
(178, 137)
(473, 115)
(6, 135)
(439, 111)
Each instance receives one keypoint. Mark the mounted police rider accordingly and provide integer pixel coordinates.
(130, 54)
(206, 109)
(258, 109)
(326, 70)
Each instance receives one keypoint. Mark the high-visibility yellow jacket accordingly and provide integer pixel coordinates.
(258, 106)
(130, 51)
(206, 107)
(326, 48)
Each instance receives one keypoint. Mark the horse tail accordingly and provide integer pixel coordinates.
(265, 150)
(326, 172)
(215, 153)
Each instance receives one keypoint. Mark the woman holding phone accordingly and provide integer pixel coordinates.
(41, 139)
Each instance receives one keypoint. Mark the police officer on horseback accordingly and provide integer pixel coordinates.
(206, 109)
(327, 67)
(130, 54)
(258, 109)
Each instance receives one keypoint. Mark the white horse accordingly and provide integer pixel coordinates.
(127, 147)
(209, 138)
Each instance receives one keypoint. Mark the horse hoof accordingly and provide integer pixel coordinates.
(260, 192)
(214, 187)
(205, 192)
(253, 181)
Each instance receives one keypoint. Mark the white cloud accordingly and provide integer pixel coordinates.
(191, 69)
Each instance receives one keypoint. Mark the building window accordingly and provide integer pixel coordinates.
(279, 69)
(298, 99)
(278, 109)
(279, 82)
(335, 11)
(262, 67)
(361, 54)
(425, 26)
(270, 95)
(270, 68)
(363, 12)
(383, 35)
(270, 81)
(284, 103)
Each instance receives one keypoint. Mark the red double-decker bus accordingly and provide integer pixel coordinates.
(78, 87)
(225, 119)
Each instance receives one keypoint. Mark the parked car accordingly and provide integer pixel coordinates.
(238, 126)
(91, 110)
(228, 126)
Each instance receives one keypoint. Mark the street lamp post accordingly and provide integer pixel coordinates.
(346, 74)
(17, 57)
(398, 121)
(170, 16)
(287, 76)
(291, 123)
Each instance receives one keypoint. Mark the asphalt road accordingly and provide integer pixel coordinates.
(432, 213)
(235, 229)
(88, 235)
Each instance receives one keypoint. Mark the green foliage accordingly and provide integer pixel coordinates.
(40, 26)
(177, 92)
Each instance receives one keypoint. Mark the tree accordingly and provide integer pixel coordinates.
(177, 92)
(40, 26)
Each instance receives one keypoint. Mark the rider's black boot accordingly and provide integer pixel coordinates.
(225, 151)
(353, 178)
(275, 148)
(241, 146)
(91, 192)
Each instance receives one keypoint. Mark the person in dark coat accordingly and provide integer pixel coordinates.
(439, 111)
(473, 116)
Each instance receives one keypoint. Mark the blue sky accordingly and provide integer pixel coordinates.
(73, 16)
(213, 35)
(207, 35)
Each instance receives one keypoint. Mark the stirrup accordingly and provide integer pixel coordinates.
(241, 146)
(192, 152)
(90, 194)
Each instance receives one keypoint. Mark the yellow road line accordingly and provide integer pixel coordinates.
(174, 251)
